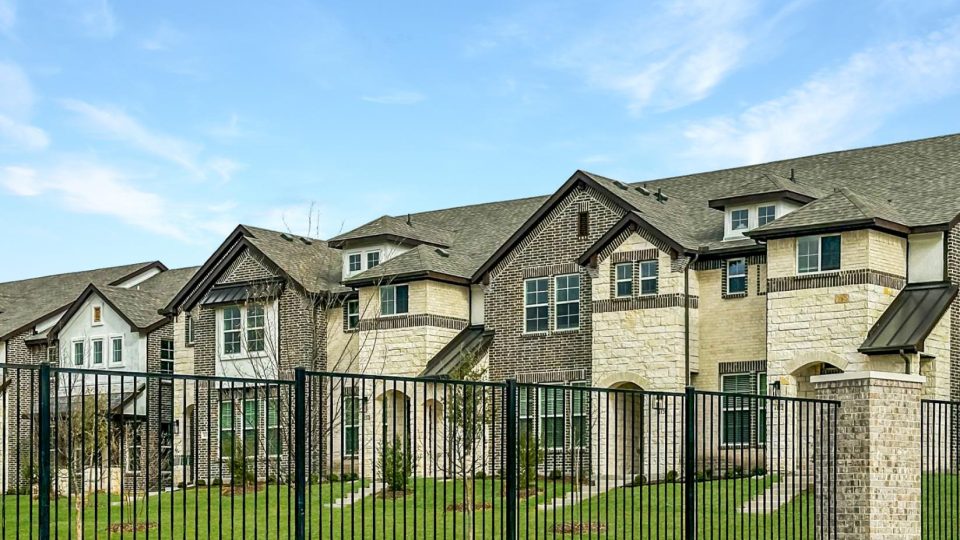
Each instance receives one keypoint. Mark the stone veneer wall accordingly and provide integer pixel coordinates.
(953, 274)
(21, 441)
(551, 248)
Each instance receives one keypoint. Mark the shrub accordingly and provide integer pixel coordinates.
(480, 475)
(704, 476)
(671, 476)
(735, 472)
(760, 471)
(556, 474)
(394, 465)
(350, 477)
(332, 477)
(528, 456)
(638, 480)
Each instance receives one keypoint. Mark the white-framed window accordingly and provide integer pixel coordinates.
(743, 419)
(134, 449)
(353, 314)
(567, 302)
(525, 426)
(740, 219)
(166, 356)
(536, 305)
(96, 315)
(78, 353)
(243, 329)
(552, 421)
(226, 430)
(354, 262)
(352, 410)
(818, 253)
(649, 277)
(579, 405)
(189, 329)
(250, 417)
(736, 276)
(96, 350)
(373, 259)
(624, 280)
(116, 350)
(273, 427)
(766, 214)
(394, 299)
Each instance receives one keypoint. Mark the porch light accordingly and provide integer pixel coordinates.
(658, 404)
(775, 389)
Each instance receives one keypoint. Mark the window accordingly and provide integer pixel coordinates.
(649, 273)
(249, 427)
(736, 276)
(583, 224)
(255, 328)
(116, 350)
(624, 280)
(353, 262)
(568, 302)
(231, 330)
(739, 219)
(394, 299)
(818, 253)
(351, 422)
(743, 419)
(134, 449)
(97, 315)
(226, 429)
(536, 305)
(166, 447)
(97, 347)
(551, 417)
(78, 353)
(766, 214)
(273, 427)
(525, 414)
(353, 314)
(580, 400)
(189, 330)
(166, 356)
(373, 259)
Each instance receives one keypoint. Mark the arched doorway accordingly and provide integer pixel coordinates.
(626, 404)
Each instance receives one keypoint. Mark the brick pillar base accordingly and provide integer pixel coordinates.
(878, 453)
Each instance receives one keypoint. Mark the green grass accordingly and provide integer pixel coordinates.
(648, 511)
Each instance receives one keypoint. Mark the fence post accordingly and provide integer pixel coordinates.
(690, 464)
(299, 452)
(43, 457)
(510, 455)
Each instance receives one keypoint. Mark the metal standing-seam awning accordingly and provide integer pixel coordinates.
(241, 292)
(909, 319)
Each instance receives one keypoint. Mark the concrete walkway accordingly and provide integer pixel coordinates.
(777, 495)
(356, 496)
(571, 498)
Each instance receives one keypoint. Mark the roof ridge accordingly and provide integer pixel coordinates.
(77, 272)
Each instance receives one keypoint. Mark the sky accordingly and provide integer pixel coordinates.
(135, 131)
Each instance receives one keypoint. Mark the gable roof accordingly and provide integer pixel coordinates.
(842, 209)
(309, 263)
(26, 302)
(767, 186)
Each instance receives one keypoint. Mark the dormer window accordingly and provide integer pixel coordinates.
(353, 262)
(740, 220)
(373, 259)
(766, 214)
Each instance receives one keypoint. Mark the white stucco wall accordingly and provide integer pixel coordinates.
(387, 251)
(80, 328)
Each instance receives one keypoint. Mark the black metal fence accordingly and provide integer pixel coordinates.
(102, 454)
(940, 469)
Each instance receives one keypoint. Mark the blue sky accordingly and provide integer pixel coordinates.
(133, 132)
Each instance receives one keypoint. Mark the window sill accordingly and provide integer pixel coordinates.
(727, 296)
(818, 273)
(567, 331)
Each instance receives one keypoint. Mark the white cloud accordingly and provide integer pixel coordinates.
(396, 98)
(22, 136)
(8, 16)
(223, 167)
(97, 19)
(837, 107)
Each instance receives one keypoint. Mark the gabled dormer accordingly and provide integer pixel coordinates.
(384, 238)
(761, 201)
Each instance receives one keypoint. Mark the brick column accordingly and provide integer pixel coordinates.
(878, 453)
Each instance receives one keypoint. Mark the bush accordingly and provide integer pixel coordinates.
(528, 456)
(760, 471)
(394, 465)
(350, 477)
(704, 476)
(638, 480)
(556, 474)
(735, 472)
(332, 477)
(671, 476)
(480, 475)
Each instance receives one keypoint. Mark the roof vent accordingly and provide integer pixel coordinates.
(620, 185)
(642, 190)
(661, 196)
(793, 175)
(287, 237)
(306, 241)
(409, 221)
(442, 252)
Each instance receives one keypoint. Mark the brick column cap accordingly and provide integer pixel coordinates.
(864, 375)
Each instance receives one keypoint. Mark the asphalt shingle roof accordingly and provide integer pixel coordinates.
(842, 206)
(770, 183)
(24, 302)
(400, 228)
(141, 304)
(312, 263)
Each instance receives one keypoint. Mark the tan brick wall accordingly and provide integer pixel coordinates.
(342, 347)
(447, 299)
(887, 253)
(862, 249)
(401, 351)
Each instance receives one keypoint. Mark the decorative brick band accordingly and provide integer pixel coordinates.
(746, 366)
(836, 279)
(643, 302)
(551, 270)
(635, 255)
(411, 321)
(552, 376)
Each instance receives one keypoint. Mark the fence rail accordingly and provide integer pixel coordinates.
(104, 454)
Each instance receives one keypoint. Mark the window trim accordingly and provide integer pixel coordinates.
(394, 288)
(617, 280)
(557, 303)
(760, 391)
(83, 352)
(366, 258)
(655, 278)
(351, 394)
(93, 351)
(232, 430)
(96, 310)
(733, 227)
(542, 416)
(348, 315)
(189, 329)
(113, 359)
(170, 360)
(245, 352)
(760, 210)
(350, 256)
(819, 269)
(538, 305)
(253, 426)
(267, 427)
(745, 276)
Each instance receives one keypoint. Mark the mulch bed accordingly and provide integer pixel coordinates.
(528, 492)
(240, 490)
(579, 528)
(130, 527)
(462, 507)
(390, 494)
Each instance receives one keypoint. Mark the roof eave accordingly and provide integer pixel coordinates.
(343, 243)
(722, 202)
(633, 222)
(143, 269)
(406, 277)
(869, 223)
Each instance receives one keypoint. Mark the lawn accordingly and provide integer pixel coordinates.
(436, 508)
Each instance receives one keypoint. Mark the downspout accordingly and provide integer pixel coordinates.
(906, 361)
(686, 317)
